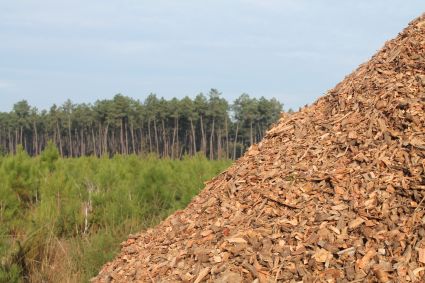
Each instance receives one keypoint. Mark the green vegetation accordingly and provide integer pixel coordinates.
(122, 125)
(62, 218)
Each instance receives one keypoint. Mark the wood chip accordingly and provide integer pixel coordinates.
(322, 255)
(334, 192)
(421, 252)
(204, 272)
(365, 260)
(356, 223)
(237, 240)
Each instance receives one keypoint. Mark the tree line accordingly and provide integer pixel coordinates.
(122, 125)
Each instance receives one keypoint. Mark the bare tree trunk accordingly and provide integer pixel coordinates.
(189, 142)
(105, 139)
(54, 136)
(211, 140)
(250, 134)
(156, 137)
(132, 138)
(126, 136)
(83, 148)
(122, 137)
(150, 137)
(60, 138)
(5, 143)
(242, 147)
(260, 133)
(227, 137)
(204, 141)
(235, 141)
(36, 138)
(10, 141)
(164, 137)
(70, 137)
(193, 136)
(16, 140)
(174, 139)
(219, 151)
(181, 153)
(177, 138)
(94, 141)
(76, 149)
(21, 135)
(100, 137)
(113, 143)
(141, 138)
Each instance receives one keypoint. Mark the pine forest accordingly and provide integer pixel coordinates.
(168, 128)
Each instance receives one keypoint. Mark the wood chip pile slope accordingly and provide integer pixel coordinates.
(334, 193)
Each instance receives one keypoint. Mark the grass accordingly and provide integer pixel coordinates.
(62, 219)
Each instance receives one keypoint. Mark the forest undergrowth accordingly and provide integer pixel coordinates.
(61, 219)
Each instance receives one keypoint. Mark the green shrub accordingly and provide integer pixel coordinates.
(71, 214)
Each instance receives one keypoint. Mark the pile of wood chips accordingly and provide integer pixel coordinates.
(334, 193)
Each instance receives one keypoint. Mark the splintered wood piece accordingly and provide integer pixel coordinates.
(204, 272)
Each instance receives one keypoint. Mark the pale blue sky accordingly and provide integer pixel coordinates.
(294, 50)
